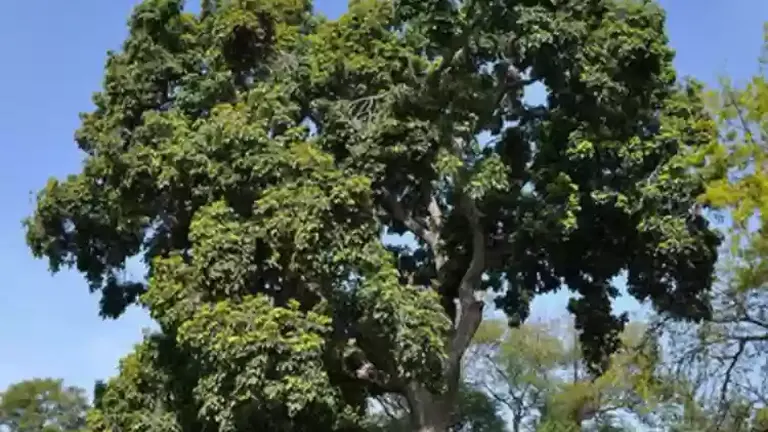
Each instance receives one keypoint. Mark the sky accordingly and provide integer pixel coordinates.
(51, 60)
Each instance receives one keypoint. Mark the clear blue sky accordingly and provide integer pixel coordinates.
(52, 56)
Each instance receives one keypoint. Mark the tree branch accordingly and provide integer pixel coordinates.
(740, 115)
(746, 318)
(429, 236)
(731, 366)
(511, 405)
(393, 412)
(470, 309)
(369, 373)
(435, 215)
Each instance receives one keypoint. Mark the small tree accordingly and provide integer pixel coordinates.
(42, 405)
(539, 378)
(262, 159)
(519, 368)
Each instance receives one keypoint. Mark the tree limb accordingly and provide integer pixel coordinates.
(511, 405)
(746, 318)
(740, 115)
(435, 214)
(470, 309)
(393, 412)
(731, 366)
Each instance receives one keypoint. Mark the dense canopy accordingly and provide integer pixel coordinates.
(322, 203)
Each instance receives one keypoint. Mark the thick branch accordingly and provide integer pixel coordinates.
(470, 309)
(474, 273)
(429, 412)
(435, 214)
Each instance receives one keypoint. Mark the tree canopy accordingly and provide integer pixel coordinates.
(266, 163)
(42, 405)
(725, 358)
(538, 376)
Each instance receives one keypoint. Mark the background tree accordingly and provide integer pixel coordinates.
(42, 405)
(541, 381)
(520, 368)
(261, 160)
(724, 360)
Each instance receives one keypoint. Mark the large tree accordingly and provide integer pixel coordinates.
(42, 405)
(263, 161)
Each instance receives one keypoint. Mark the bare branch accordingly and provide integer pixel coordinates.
(511, 405)
(743, 121)
(745, 318)
(729, 372)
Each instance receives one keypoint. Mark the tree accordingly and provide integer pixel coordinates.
(519, 368)
(724, 359)
(475, 412)
(42, 405)
(690, 409)
(537, 373)
(261, 159)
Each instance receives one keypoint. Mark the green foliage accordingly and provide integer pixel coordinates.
(255, 155)
(539, 376)
(721, 359)
(152, 392)
(741, 160)
(475, 411)
(42, 405)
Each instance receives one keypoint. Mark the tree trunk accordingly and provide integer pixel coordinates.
(430, 412)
